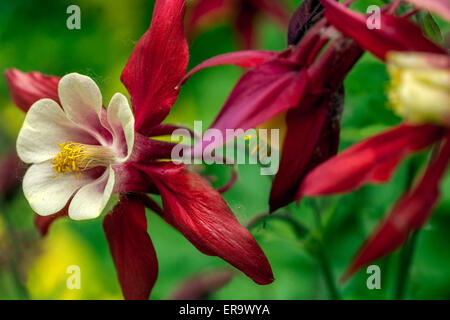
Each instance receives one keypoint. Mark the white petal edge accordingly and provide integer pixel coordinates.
(121, 118)
(91, 199)
(46, 193)
(45, 127)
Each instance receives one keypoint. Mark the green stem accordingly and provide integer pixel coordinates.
(322, 257)
(407, 253)
(406, 257)
(329, 277)
(300, 230)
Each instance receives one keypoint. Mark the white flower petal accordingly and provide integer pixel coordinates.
(121, 119)
(81, 100)
(90, 200)
(45, 127)
(79, 94)
(47, 193)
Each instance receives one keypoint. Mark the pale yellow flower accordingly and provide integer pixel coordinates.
(420, 87)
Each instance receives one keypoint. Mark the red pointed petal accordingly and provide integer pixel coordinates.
(198, 211)
(157, 64)
(28, 87)
(261, 94)
(131, 249)
(439, 7)
(304, 129)
(312, 138)
(395, 34)
(409, 214)
(245, 59)
(371, 161)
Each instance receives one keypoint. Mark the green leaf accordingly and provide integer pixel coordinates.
(429, 26)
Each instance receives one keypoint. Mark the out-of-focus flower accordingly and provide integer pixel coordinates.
(420, 89)
(375, 159)
(440, 7)
(50, 271)
(242, 13)
(83, 153)
(303, 86)
(18, 250)
(11, 173)
(202, 285)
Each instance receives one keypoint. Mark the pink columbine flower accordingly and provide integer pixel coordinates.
(81, 152)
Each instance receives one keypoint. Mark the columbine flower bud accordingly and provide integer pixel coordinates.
(420, 87)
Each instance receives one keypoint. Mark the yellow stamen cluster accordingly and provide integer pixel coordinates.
(75, 158)
(70, 159)
(254, 143)
(258, 143)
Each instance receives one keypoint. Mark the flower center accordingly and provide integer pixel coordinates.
(75, 158)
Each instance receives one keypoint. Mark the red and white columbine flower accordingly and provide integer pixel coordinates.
(74, 150)
(81, 153)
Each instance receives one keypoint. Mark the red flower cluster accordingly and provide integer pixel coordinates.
(375, 159)
(302, 84)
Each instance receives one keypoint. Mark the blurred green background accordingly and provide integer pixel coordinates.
(33, 36)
